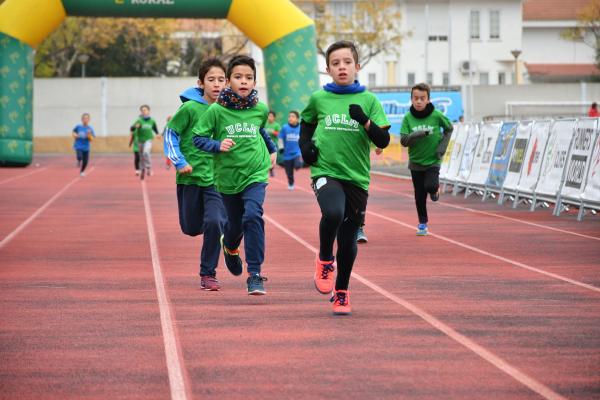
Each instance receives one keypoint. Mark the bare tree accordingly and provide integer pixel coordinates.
(588, 28)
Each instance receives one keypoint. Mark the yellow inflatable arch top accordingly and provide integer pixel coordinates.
(288, 44)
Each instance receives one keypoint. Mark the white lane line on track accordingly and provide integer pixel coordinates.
(33, 216)
(177, 383)
(23, 175)
(478, 250)
(487, 213)
(492, 255)
(482, 352)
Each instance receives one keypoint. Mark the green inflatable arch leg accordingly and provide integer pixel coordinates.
(16, 110)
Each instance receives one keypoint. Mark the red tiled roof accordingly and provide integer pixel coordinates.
(564, 70)
(543, 10)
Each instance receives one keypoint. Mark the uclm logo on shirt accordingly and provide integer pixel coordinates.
(234, 130)
(334, 121)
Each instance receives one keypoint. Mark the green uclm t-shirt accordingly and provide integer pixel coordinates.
(248, 160)
(343, 143)
(423, 152)
(144, 132)
(183, 122)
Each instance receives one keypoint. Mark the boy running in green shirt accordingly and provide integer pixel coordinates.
(272, 127)
(232, 128)
(338, 126)
(142, 129)
(200, 206)
(426, 132)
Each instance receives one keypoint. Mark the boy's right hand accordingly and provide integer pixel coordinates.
(185, 170)
(226, 145)
(310, 153)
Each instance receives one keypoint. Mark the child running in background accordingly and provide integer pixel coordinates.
(426, 132)
(232, 129)
(288, 147)
(200, 206)
(338, 126)
(83, 134)
(142, 130)
(272, 127)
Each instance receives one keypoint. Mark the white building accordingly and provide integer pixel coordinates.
(447, 40)
(548, 56)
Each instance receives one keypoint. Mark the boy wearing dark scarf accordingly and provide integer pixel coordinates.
(233, 129)
(426, 132)
(338, 126)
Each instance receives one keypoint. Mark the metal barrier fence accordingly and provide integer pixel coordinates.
(536, 162)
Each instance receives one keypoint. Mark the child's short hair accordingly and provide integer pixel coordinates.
(296, 113)
(272, 112)
(146, 106)
(240, 60)
(341, 44)
(423, 87)
(207, 64)
(85, 114)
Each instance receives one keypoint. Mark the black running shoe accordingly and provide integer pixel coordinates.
(233, 261)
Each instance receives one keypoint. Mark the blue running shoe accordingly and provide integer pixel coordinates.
(255, 285)
(422, 230)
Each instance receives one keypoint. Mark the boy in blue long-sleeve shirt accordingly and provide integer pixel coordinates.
(201, 208)
(289, 148)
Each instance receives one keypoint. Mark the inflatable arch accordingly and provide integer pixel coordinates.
(288, 44)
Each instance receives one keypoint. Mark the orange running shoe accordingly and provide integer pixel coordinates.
(324, 276)
(341, 302)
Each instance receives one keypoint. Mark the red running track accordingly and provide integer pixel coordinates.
(100, 298)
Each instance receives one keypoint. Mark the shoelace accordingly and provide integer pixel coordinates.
(327, 268)
(258, 278)
(339, 298)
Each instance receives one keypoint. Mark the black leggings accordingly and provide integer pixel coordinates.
(136, 160)
(338, 221)
(84, 156)
(425, 182)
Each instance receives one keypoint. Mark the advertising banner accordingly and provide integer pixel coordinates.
(396, 104)
(591, 192)
(517, 158)
(555, 157)
(502, 153)
(460, 135)
(466, 161)
(530, 172)
(484, 153)
(447, 156)
(579, 157)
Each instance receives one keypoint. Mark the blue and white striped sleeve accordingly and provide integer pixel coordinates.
(171, 148)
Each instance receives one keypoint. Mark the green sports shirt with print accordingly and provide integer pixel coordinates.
(144, 132)
(183, 122)
(344, 147)
(248, 160)
(423, 152)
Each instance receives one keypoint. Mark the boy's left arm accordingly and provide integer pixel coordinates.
(448, 129)
(378, 135)
(155, 128)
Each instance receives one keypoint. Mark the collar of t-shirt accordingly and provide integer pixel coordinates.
(355, 87)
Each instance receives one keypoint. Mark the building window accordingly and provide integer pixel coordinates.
(439, 38)
(474, 25)
(495, 24)
(341, 9)
(372, 80)
(501, 78)
(410, 79)
(430, 78)
(445, 79)
(484, 78)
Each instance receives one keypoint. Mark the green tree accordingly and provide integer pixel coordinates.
(588, 28)
(117, 47)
